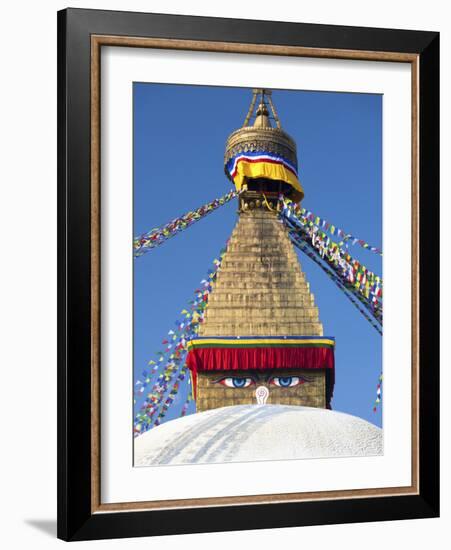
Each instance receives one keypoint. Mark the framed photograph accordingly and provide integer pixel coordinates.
(248, 274)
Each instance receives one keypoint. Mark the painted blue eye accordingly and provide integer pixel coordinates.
(236, 382)
(287, 381)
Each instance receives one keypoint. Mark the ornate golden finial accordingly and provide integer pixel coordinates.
(262, 155)
(262, 109)
(262, 116)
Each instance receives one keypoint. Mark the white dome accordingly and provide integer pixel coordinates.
(257, 432)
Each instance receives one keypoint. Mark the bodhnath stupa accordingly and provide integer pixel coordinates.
(263, 372)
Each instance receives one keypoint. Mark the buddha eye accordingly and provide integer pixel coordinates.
(236, 382)
(287, 381)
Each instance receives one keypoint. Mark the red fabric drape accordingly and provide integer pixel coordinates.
(260, 358)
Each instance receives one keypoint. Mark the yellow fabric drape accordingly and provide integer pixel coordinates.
(269, 170)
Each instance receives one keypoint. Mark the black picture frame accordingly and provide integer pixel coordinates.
(76, 518)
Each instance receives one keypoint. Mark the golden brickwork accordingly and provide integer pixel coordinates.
(260, 290)
(211, 394)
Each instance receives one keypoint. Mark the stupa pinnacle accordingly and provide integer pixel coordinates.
(262, 157)
(262, 340)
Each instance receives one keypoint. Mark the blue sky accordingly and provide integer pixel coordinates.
(179, 138)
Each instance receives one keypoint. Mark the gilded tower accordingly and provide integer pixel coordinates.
(262, 339)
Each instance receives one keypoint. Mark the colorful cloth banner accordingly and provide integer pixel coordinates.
(159, 235)
(263, 164)
(203, 342)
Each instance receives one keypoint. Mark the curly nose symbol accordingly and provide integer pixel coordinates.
(261, 393)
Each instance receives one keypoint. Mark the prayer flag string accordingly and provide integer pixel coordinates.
(311, 253)
(347, 238)
(168, 371)
(378, 394)
(365, 285)
(159, 235)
